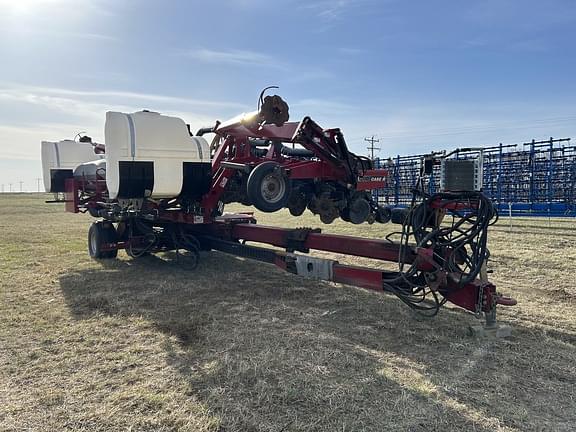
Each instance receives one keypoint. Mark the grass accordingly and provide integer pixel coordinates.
(241, 346)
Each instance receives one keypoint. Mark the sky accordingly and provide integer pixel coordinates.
(419, 75)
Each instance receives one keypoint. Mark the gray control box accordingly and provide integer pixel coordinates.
(461, 175)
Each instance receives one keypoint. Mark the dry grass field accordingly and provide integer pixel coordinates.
(241, 346)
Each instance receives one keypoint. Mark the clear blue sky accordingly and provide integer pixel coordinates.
(421, 75)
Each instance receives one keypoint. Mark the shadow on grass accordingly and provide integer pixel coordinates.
(271, 351)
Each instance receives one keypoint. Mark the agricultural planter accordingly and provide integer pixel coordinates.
(161, 188)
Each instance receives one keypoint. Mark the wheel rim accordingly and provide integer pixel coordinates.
(273, 188)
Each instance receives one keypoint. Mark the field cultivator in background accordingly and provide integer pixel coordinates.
(531, 179)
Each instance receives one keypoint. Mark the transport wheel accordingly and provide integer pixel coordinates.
(268, 188)
(99, 234)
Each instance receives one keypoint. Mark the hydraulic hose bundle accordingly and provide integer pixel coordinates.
(454, 226)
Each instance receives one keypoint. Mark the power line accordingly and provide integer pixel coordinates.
(371, 147)
(479, 128)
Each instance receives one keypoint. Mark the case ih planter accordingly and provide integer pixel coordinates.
(163, 189)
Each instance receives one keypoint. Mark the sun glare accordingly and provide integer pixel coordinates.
(24, 7)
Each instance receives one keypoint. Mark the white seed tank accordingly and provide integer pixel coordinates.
(152, 155)
(59, 159)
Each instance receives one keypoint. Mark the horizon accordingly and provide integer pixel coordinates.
(418, 77)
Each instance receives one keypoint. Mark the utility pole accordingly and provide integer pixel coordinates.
(38, 183)
(371, 147)
(2, 187)
(21, 182)
(10, 187)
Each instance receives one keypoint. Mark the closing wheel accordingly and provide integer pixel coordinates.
(328, 218)
(268, 188)
(297, 203)
(383, 214)
(358, 211)
(326, 208)
(101, 233)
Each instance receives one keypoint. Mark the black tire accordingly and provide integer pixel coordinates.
(99, 234)
(345, 215)
(327, 218)
(358, 211)
(297, 203)
(268, 188)
(383, 214)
